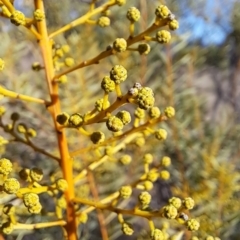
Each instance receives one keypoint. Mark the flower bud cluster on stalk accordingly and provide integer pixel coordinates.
(109, 127)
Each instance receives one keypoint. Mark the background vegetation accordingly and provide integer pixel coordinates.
(196, 74)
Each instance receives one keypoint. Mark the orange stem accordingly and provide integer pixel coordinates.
(55, 109)
(9, 5)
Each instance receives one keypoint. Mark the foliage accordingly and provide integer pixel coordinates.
(85, 148)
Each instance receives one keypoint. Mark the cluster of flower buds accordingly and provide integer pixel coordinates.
(163, 13)
(60, 59)
(144, 96)
(175, 210)
(75, 120)
(116, 123)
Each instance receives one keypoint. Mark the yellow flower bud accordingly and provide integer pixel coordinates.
(157, 234)
(148, 185)
(63, 79)
(31, 132)
(38, 15)
(9, 127)
(18, 18)
(69, 62)
(36, 174)
(139, 113)
(107, 84)
(120, 45)
(169, 112)
(11, 186)
(144, 48)
(148, 158)
(99, 104)
(140, 141)
(97, 137)
(125, 192)
(153, 175)
(163, 36)
(162, 12)
(2, 109)
(36, 66)
(118, 74)
(76, 120)
(114, 124)
(59, 52)
(161, 134)
(170, 212)
(176, 202)
(125, 159)
(188, 203)
(82, 218)
(173, 25)
(124, 116)
(3, 141)
(62, 118)
(30, 199)
(65, 48)
(127, 229)
(5, 166)
(193, 225)
(165, 175)
(133, 14)
(145, 98)
(166, 161)
(144, 199)
(21, 128)
(35, 209)
(104, 21)
(62, 184)
(154, 112)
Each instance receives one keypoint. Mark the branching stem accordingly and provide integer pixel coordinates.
(15, 95)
